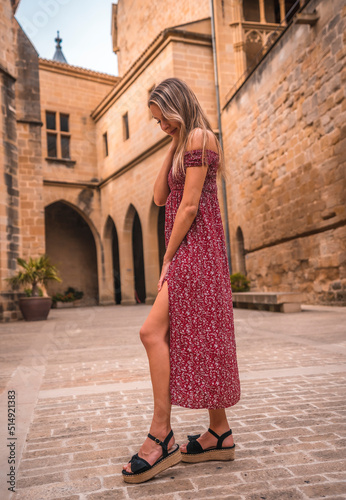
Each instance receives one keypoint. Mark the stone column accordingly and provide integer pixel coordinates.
(106, 278)
(106, 286)
(151, 256)
(282, 10)
(262, 11)
(126, 265)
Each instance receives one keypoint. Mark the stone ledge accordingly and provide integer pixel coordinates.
(271, 301)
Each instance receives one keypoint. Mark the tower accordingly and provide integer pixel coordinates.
(59, 56)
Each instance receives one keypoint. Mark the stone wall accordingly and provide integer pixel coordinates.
(30, 178)
(130, 170)
(140, 21)
(179, 59)
(285, 146)
(75, 92)
(9, 194)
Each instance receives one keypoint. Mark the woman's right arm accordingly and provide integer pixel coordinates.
(161, 188)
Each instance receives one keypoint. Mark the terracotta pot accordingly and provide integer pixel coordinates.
(35, 308)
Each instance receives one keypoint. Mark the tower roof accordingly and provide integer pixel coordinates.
(59, 56)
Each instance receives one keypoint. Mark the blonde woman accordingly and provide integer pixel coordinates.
(189, 333)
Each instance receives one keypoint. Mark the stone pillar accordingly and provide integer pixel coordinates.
(282, 10)
(106, 284)
(262, 11)
(151, 255)
(237, 38)
(126, 264)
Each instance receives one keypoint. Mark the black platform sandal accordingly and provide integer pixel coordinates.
(142, 471)
(195, 453)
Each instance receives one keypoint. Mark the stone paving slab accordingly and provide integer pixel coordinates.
(84, 404)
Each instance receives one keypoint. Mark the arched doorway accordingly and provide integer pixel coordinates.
(161, 235)
(111, 248)
(71, 247)
(138, 259)
(116, 265)
(241, 251)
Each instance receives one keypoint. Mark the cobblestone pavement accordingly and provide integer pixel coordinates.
(84, 403)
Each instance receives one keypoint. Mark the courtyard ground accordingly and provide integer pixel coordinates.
(83, 405)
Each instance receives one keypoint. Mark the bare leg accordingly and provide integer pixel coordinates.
(155, 338)
(219, 424)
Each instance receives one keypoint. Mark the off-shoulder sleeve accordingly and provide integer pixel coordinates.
(193, 158)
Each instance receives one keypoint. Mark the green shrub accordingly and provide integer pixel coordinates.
(33, 272)
(239, 283)
(69, 295)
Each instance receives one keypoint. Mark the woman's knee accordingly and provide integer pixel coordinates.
(150, 336)
(146, 335)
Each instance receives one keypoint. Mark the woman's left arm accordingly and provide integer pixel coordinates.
(186, 214)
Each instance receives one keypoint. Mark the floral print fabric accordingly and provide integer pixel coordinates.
(204, 370)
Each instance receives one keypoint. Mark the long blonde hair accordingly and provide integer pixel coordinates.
(179, 103)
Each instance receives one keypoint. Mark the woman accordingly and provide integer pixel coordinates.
(189, 333)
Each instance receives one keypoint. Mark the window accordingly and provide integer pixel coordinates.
(272, 11)
(63, 123)
(51, 146)
(50, 121)
(291, 7)
(58, 140)
(126, 131)
(65, 146)
(105, 144)
(251, 10)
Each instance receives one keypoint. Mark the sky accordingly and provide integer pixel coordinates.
(84, 26)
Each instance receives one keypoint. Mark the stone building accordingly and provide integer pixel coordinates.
(81, 151)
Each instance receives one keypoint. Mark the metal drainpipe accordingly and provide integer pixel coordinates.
(224, 192)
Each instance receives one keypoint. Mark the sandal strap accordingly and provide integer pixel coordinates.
(163, 444)
(138, 464)
(194, 447)
(220, 439)
(194, 437)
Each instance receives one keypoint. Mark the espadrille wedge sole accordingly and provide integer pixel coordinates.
(142, 471)
(208, 455)
(195, 453)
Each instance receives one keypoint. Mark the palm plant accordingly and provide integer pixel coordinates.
(34, 272)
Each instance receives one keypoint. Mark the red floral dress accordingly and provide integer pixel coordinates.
(204, 370)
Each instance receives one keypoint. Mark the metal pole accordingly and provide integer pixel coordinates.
(224, 192)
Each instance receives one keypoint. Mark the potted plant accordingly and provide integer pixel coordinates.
(70, 297)
(34, 272)
(239, 283)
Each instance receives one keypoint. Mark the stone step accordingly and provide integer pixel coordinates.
(272, 301)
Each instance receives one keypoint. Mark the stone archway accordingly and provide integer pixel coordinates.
(71, 246)
(138, 259)
(111, 249)
(240, 251)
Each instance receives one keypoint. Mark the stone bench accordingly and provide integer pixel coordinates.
(269, 301)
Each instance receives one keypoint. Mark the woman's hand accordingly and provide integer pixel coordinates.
(165, 266)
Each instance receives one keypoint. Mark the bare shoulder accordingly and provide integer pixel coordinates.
(195, 140)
